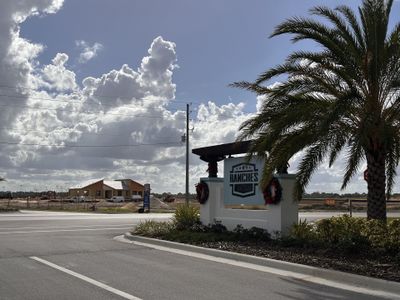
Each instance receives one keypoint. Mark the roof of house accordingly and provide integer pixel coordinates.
(86, 183)
(116, 185)
(119, 184)
(125, 179)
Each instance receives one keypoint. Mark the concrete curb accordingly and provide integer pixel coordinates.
(336, 276)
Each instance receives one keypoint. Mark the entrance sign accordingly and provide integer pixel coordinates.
(241, 185)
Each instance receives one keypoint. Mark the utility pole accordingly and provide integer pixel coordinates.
(187, 154)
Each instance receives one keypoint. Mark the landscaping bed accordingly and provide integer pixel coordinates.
(353, 245)
(383, 267)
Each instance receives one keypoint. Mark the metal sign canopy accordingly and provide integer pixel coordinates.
(214, 154)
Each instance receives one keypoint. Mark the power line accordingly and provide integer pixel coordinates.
(87, 112)
(70, 101)
(60, 128)
(88, 146)
(111, 97)
(23, 97)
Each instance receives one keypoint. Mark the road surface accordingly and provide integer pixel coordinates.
(75, 256)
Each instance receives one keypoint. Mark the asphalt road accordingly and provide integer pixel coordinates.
(74, 256)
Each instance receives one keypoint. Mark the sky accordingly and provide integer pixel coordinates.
(98, 88)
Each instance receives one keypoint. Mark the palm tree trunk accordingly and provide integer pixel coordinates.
(376, 205)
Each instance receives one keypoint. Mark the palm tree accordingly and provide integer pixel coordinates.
(345, 97)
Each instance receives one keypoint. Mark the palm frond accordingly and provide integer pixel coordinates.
(353, 22)
(355, 155)
(346, 97)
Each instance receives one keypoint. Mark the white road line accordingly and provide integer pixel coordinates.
(275, 271)
(65, 230)
(87, 279)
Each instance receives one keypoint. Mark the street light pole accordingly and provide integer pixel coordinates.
(187, 155)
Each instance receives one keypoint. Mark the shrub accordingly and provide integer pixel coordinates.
(377, 233)
(384, 236)
(254, 233)
(217, 227)
(153, 228)
(343, 233)
(186, 216)
(393, 236)
(347, 235)
(198, 227)
(300, 235)
(303, 231)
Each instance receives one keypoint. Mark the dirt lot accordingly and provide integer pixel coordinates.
(68, 205)
(158, 205)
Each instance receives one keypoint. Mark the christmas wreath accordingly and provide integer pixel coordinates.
(273, 192)
(202, 192)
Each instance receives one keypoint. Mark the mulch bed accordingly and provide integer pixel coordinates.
(383, 267)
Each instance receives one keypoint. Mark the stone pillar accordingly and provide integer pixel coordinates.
(283, 215)
(211, 209)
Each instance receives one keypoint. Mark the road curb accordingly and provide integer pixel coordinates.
(332, 275)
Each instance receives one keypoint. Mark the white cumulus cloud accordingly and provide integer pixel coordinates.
(88, 51)
(57, 76)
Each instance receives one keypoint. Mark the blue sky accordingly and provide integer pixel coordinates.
(218, 42)
(103, 73)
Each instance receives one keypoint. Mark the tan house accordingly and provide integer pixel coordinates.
(106, 189)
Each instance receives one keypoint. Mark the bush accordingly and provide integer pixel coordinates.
(198, 227)
(186, 216)
(302, 234)
(347, 235)
(343, 233)
(151, 228)
(377, 234)
(393, 236)
(217, 227)
(384, 236)
(254, 233)
(303, 231)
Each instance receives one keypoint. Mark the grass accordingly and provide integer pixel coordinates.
(103, 210)
(9, 209)
(115, 210)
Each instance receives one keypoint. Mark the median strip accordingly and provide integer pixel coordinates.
(86, 279)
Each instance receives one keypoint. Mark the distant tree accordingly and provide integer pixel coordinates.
(344, 97)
